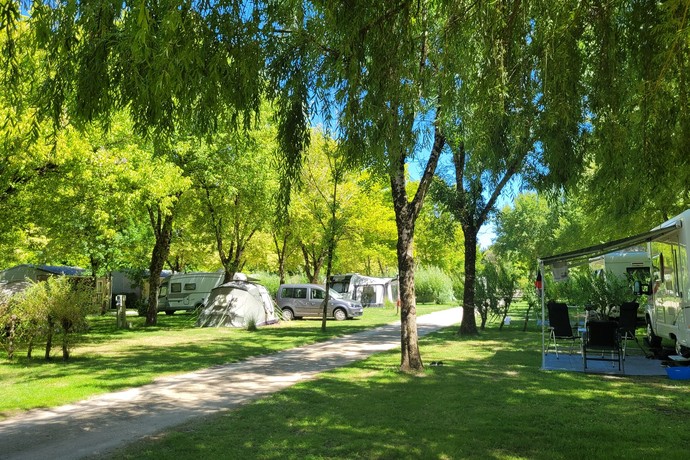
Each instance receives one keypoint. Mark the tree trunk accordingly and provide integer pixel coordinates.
(49, 337)
(468, 326)
(411, 359)
(163, 233)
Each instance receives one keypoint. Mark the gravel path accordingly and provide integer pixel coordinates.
(100, 424)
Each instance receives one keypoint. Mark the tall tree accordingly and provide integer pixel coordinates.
(369, 60)
(236, 190)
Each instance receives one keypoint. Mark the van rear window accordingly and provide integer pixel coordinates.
(294, 293)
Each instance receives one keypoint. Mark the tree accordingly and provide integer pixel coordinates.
(637, 93)
(371, 62)
(236, 189)
(162, 184)
(322, 212)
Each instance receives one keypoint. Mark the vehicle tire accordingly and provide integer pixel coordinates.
(288, 315)
(653, 339)
(339, 314)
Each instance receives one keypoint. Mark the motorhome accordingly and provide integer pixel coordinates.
(668, 309)
(187, 291)
(635, 265)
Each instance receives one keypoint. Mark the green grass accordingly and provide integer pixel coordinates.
(108, 359)
(489, 400)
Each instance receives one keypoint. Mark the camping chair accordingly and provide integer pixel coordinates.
(627, 324)
(602, 338)
(559, 324)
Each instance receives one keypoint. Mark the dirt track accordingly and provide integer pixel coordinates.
(95, 426)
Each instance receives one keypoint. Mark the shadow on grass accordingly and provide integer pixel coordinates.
(489, 399)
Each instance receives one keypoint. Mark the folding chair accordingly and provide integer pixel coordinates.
(627, 324)
(601, 339)
(560, 326)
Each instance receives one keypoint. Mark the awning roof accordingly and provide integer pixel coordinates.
(582, 255)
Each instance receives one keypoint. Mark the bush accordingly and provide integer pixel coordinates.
(269, 281)
(432, 285)
(56, 305)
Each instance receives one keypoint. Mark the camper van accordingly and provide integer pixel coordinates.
(668, 309)
(634, 265)
(186, 291)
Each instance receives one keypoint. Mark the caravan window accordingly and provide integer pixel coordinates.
(175, 287)
(668, 268)
(190, 287)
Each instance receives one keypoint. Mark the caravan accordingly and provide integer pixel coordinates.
(635, 265)
(186, 291)
(370, 291)
(668, 308)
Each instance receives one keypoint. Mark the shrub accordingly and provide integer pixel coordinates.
(251, 324)
(432, 285)
(56, 305)
(268, 280)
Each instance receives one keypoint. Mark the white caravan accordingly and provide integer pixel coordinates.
(187, 291)
(370, 291)
(668, 308)
(635, 265)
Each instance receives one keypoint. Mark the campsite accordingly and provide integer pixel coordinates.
(499, 192)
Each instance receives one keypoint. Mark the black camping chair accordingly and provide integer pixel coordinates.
(559, 324)
(627, 324)
(602, 342)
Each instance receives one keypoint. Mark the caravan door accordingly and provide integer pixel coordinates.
(669, 283)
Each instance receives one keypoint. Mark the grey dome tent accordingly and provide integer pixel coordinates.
(235, 304)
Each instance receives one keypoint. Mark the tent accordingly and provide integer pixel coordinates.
(560, 263)
(235, 304)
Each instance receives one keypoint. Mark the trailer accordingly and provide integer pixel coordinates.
(187, 291)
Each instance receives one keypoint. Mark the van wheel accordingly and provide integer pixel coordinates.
(653, 339)
(288, 315)
(339, 314)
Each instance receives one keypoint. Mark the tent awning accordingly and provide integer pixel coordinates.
(583, 255)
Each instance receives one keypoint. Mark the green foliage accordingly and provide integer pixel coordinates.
(58, 304)
(269, 280)
(432, 285)
(600, 293)
(495, 287)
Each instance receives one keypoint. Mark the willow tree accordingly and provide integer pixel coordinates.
(369, 66)
(638, 88)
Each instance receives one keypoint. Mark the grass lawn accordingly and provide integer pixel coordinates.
(107, 359)
(488, 400)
